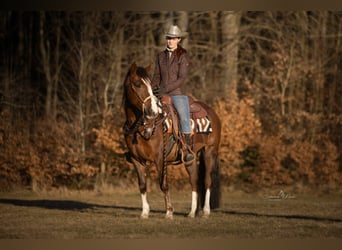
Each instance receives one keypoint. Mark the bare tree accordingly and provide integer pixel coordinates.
(183, 21)
(50, 59)
(230, 50)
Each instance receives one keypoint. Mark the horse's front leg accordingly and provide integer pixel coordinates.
(164, 186)
(168, 205)
(142, 175)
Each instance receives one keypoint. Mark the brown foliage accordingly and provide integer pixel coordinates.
(47, 156)
(57, 147)
(252, 156)
(240, 129)
(14, 153)
(110, 147)
(283, 163)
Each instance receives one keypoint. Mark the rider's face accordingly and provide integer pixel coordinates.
(172, 42)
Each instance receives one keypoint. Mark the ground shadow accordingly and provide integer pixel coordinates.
(71, 205)
(282, 216)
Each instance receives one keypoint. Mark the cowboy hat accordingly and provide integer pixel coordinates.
(174, 31)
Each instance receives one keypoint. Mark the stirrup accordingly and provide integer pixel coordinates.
(187, 158)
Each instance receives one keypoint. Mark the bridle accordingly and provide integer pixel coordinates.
(144, 100)
(148, 122)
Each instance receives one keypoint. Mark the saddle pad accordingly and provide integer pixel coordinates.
(198, 126)
(200, 122)
(201, 125)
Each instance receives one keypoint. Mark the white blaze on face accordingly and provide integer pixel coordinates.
(153, 98)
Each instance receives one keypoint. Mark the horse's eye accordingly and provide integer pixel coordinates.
(137, 84)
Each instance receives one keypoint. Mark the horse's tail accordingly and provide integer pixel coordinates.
(215, 191)
(215, 197)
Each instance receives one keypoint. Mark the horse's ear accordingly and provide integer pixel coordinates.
(133, 68)
(149, 69)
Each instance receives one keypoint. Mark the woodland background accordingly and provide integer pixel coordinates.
(273, 77)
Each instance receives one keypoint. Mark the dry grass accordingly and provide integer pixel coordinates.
(95, 215)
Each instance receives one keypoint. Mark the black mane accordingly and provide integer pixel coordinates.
(141, 72)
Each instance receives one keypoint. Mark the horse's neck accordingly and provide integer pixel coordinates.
(132, 116)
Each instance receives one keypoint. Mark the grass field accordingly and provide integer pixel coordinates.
(116, 215)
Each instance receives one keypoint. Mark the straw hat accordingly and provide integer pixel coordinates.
(174, 31)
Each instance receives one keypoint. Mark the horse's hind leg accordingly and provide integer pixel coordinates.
(141, 172)
(194, 204)
(193, 178)
(210, 161)
(168, 205)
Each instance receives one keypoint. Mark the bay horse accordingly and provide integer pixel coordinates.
(149, 142)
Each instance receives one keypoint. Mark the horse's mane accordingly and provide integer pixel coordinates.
(142, 72)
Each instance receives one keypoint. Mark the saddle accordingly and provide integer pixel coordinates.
(198, 116)
(196, 110)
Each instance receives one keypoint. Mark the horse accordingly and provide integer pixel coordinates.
(149, 141)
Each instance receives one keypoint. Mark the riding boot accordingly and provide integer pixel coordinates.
(189, 156)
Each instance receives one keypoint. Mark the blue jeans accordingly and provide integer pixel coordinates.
(181, 103)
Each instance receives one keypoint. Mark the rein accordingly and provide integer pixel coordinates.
(134, 129)
(142, 120)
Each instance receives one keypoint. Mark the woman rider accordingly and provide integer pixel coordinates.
(170, 74)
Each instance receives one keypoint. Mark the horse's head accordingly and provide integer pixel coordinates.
(138, 92)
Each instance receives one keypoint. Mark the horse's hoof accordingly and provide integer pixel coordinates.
(169, 216)
(205, 214)
(191, 215)
(144, 216)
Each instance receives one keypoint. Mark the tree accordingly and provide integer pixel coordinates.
(230, 51)
(50, 59)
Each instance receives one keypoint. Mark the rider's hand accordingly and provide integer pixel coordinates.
(159, 92)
